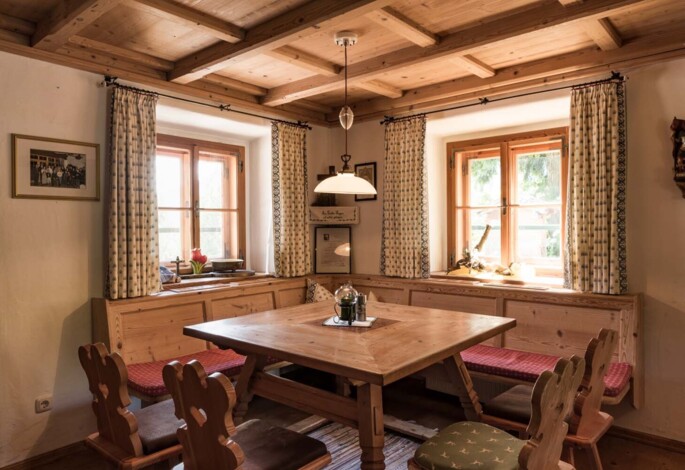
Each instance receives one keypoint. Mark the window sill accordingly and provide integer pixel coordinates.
(199, 284)
(497, 280)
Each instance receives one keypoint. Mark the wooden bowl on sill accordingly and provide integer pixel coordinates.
(223, 265)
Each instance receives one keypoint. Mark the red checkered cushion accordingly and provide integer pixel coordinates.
(146, 377)
(528, 366)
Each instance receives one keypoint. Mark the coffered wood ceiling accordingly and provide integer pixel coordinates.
(278, 56)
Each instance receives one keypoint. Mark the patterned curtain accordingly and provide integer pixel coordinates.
(133, 264)
(292, 252)
(404, 248)
(596, 226)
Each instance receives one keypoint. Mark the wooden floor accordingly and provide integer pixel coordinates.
(409, 400)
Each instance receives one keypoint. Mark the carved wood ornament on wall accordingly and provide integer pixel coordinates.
(678, 137)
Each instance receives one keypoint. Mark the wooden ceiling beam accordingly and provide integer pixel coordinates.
(314, 106)
(604, 34)
(305, 60)
(398, 23)
(17, 25)
(211, 93)
(474, 66)
(66, 19)
(235, 84)
(126, 54)
(600, 30)
(16, 38)
(277, 32)
(380, 88)
(573, 64)
(459, 43)
(182, 14)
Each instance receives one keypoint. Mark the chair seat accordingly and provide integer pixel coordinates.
(268, 447)
(157, 426)
(527, 366)
(146, 377)
(470, 446)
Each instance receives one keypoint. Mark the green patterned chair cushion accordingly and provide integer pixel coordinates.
(470, 446)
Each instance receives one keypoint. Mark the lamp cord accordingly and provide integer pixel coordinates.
(346, 97)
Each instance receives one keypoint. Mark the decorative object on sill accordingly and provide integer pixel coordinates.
(178, 262)
(44, 168)
(346, 301)
(471, 261)
(337, 215)
(224, 265)
(345, 181)
(197, 260)
(325, 199)
(678, 128)
(167, 276)
(366, 171)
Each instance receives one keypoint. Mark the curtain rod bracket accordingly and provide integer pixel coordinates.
(484, 101)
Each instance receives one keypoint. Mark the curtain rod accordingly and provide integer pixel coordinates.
(615, 76)
(112, 81)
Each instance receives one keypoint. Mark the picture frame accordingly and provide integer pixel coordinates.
(332, 250)
(46, 168)
(366, 171)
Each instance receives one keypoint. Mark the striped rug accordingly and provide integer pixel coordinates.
(343, 444)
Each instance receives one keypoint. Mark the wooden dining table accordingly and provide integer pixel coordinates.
(402, 341)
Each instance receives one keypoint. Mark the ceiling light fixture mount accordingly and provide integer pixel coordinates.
(345, 182)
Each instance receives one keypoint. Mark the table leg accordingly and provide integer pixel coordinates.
(459, 376)
(243, 389)
(371, 432)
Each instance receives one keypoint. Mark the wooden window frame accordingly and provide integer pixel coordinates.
(194, 148)
(506, 146)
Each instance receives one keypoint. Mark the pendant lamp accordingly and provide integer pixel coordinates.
(345, 181)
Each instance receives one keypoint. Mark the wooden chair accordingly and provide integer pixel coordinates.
(211, 441)
(475, 445)
(126, 439)
(588, 424)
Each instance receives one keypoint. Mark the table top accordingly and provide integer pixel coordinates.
(404, 339)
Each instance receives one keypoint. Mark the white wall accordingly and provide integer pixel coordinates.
(51, 254)
(656, 259)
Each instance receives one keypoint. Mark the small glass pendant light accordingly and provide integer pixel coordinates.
(346, 117)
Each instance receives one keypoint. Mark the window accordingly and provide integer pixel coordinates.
(200, 198)
(516, 184)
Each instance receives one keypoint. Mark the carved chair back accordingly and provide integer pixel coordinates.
(107, 381)
(589, 399)
(205, 403)
(551, 403)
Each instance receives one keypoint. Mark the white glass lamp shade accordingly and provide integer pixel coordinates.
(346, 117)
(345, 183)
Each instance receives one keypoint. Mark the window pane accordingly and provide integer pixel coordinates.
(484, 181)
(478, 219)
(212, 180)
(171, 234)
(538, 177)
(538, 236)
(213, 232)
(169, 181)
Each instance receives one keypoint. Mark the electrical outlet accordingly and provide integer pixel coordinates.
(43, 403)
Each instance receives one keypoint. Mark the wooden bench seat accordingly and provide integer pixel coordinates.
(527, 367)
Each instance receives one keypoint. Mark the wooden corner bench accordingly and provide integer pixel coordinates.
(148, 331)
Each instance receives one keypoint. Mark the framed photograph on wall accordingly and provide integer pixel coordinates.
(366, 171)
(44, 168)
(332, 250)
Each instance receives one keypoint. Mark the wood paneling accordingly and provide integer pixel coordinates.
(157, 334)
(238, 306)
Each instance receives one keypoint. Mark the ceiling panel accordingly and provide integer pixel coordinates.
(265, 71)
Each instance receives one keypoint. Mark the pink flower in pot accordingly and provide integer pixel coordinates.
(197, 260)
